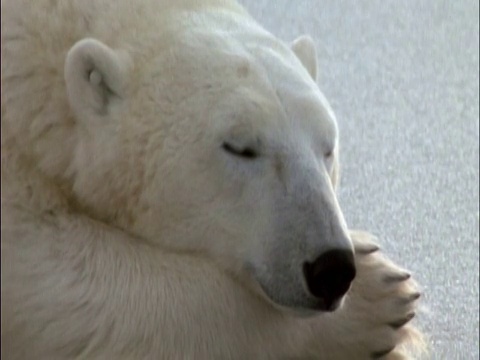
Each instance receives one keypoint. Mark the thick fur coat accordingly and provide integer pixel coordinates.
(167, 166)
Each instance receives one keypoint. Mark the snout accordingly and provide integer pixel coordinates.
(328, 277)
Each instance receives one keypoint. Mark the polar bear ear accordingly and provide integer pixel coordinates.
(95, 75)
(304, 48)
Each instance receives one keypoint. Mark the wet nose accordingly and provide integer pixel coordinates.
(329, 276)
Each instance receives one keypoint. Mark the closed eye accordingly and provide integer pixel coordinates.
(244, 152)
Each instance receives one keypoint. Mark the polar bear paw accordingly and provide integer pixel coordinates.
(375, 319)
(381, 304)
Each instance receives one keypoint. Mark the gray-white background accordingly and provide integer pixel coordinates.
(403, 79)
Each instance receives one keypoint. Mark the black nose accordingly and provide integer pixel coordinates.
(330, 275)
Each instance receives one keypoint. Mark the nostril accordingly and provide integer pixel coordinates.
(330, 275)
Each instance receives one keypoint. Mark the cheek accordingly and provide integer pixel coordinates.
(182, 182)
(103, 182)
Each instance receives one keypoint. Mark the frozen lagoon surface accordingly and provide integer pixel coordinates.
(403, 79)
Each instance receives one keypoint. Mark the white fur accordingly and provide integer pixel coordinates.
(129, 233)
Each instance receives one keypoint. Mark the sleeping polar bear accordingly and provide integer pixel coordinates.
(168, 192)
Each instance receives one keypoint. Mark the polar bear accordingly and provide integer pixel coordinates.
(168, 192)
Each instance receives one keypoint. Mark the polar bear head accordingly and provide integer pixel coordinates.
(217, 142)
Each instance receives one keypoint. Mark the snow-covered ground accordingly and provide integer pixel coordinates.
(403, 78)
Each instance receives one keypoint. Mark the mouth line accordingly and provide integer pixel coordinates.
(312, 307)
(308, 312)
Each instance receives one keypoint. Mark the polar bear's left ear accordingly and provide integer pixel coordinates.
(304, 48)
(95, 76)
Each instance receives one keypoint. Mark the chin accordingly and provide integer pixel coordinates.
(303, 307)
(316, 309)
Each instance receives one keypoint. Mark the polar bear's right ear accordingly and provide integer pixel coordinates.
(95, 77)
(304, 48)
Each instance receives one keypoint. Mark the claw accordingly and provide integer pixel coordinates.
(367, 249)
(410, 298)
(382, 353)
(414, 296)
(393, 278)
(398, 324)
